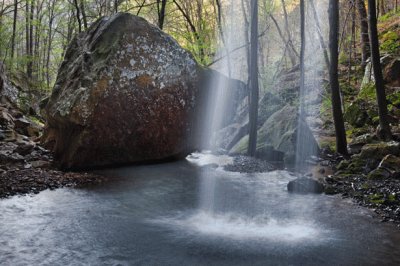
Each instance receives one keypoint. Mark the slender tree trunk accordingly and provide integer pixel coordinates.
(30, 42)
(290, 51)
(384, 131)
(382, 8)
(78, 16)
(341, 142)
(50, 43)
(365, 46)
(302, 54)
(161, 4)
(14, 32)
(247, 43)
(83, 12)
(253, 80)
(27, 53)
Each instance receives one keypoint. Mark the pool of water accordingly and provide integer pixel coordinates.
(150, 215)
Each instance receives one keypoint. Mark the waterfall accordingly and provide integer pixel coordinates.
(310, 95)
(230, 58)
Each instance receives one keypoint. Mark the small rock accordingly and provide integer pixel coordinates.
(24, 148)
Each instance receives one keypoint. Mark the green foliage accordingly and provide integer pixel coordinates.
(394, 99)
(388, 16)
(376, 198)
(368, 92)
(390, 42)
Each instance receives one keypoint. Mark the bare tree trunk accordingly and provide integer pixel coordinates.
(247, 43)
(292, 50)
(83, 12)
(193, 29)
(30, 60)
(49, 45)
(27, 53)
(341, 142)
(14, 33)
(161, 4)
(78, 15)
(302, 54)
(253, 113)
(384, 131)
(365, 46)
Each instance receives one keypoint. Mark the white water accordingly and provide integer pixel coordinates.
(220, 214)
(235, 227)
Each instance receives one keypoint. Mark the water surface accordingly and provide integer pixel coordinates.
(149, 215)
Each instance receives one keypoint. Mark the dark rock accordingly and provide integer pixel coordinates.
(246, 164)
(389, 167)
(358, 142)
(391, 73)
(304, 185)
(24, 148)
(126, 92)
(379, 150)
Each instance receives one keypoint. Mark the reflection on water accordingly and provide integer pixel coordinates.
(148, 215)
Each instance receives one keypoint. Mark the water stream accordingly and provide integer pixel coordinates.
(149, 215)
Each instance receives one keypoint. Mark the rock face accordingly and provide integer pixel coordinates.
(7, 92)
(124, 93)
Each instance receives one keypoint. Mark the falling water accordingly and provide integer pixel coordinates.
(230, 64)
(219, 209)
(310, 95)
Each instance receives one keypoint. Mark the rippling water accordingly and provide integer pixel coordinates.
(149, 215)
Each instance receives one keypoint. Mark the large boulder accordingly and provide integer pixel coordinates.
(125, 93)
(283, 133)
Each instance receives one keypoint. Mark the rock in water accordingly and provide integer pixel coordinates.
(124, 93)
(304, 185)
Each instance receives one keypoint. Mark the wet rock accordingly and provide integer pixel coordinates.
(126, 92)
(280, 132)
(305, 185)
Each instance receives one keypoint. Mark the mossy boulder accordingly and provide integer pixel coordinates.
(379, 150)
(379, 173)
(356, 114)
(388, 167)
(281, 133)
